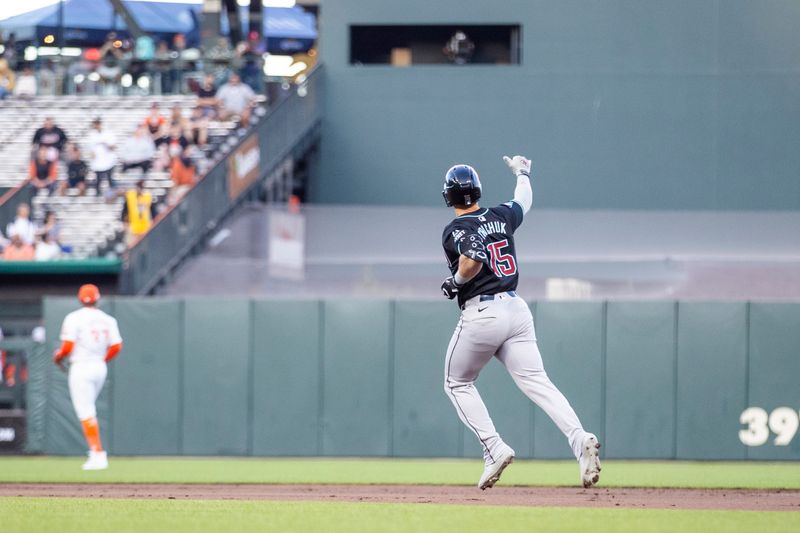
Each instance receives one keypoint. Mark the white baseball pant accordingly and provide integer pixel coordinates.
(502, 328)
(86, 380)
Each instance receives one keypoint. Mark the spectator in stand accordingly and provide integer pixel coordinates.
(164, 58)
(101, 145)
(182, 172)
(46, 249)
(46, 76)
(221, 53)
(171, 146)
(138, 211)
(207, 97)
(43, 171)
(155, 122)
(176, 118)
(52, 229)
(18, 250)
(7, 79)
(179, 64)
(112, 48)
(252, 70)
(26, 86)
(110, 74)
(76, 171)
(138, 151)
(198, 127)
(22, 225)
(235, 99)
(51, 137)
(11, 53)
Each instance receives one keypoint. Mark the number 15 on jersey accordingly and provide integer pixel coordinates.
(503, 264)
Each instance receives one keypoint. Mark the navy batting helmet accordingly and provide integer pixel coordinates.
(462, 186)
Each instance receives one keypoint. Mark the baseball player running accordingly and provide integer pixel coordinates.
(479, 245)
(91, 339)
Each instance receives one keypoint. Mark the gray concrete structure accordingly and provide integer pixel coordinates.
(572, 255)
(632, 104)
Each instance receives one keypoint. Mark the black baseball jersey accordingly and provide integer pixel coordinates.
(487, 236)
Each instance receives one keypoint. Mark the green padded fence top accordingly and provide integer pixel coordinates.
(64, 266)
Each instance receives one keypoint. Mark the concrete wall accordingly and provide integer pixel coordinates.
(364, 377)
(687, 104)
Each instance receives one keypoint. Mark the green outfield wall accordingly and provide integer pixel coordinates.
(364, 378)
(631, 104)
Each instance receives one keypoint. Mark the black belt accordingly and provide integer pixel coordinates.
(490, 297)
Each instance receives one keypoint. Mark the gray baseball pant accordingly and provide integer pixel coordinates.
(502, 328)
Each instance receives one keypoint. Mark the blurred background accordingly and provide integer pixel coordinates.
(255, 187)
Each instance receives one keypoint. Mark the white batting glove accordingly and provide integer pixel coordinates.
(519, 165)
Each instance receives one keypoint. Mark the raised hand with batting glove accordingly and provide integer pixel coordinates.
(519, 165)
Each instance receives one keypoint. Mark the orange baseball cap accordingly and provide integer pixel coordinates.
(88, 294)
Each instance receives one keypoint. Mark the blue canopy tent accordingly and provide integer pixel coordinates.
(288, 30)
(87, 22)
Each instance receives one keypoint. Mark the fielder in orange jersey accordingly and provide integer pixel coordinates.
(91, 339)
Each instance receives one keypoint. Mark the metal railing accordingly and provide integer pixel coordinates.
(280, 135)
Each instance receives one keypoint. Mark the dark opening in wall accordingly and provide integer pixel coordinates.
(453, 44)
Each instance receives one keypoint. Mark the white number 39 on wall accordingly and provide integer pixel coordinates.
(783, 421)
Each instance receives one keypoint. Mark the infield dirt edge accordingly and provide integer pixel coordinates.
(640, 498)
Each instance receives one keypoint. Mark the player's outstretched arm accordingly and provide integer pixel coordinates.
(521, 167)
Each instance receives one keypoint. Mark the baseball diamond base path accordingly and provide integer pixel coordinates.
(754, 500)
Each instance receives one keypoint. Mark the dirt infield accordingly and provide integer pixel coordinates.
(757, 500)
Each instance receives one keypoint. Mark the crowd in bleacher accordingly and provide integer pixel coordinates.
(29, 241)
(124, 66)
(171, 141)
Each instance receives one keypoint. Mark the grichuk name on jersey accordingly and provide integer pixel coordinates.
(491, 227)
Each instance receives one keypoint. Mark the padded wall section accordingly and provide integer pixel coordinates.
(712, 367)
(425, 422)
(147, 391)
(286, 377)
(357, 380)
(216, 389)
(640, 380)
(774, 369)
(571, 343)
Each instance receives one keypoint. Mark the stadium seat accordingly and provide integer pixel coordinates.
(91, 224)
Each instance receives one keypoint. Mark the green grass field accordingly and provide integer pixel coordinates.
(755, 475)
(80, 515)
(88, 515)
